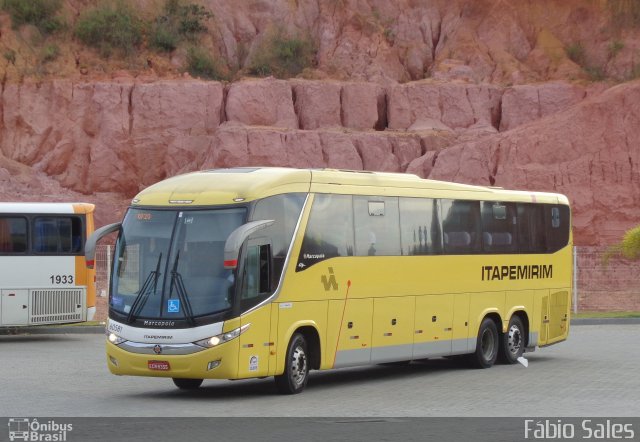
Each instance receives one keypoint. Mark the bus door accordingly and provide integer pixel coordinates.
(255, 287)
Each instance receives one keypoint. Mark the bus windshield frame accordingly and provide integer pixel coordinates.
(168, 266)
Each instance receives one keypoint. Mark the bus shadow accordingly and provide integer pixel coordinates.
(23, 338)
(318, 380)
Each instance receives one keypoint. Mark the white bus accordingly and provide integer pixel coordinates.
(43, 276)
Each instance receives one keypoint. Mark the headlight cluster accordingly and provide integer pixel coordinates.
(222, 338)
(115, 339)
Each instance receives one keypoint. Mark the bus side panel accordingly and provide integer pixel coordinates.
(354, 345)
(540, 323)
(253, 357)
(433, 326)
(392, 334)
(294, 315)
(86, 277)
(462, 342)
(519, 300)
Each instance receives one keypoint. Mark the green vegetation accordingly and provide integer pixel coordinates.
(575, 52)
(39, 13)
(109, 28)
(201, 64)
(628, 248)
(49, 53)
(179, 22)
(282, 56)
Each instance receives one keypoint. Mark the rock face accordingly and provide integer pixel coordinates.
(104, 141)
(591, 152)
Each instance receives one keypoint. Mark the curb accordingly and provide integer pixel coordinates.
(605, 321)
(54, 330)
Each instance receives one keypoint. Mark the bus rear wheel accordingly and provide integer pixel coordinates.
(487, 345)
(512, 345)
(296, 370)
(187, 384)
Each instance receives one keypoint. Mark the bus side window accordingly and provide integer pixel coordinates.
(531, 230)
(498, 227)
(420, 226)
(377, 222)
(13, 235)
(329, 231)
(461, 226)
(557, 227)
(256, 275)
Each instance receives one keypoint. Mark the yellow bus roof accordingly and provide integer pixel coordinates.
(234, 185)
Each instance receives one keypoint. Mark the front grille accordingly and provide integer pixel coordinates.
(49, 306)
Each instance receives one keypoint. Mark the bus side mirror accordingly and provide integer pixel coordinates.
(237, 237)
(97, 235)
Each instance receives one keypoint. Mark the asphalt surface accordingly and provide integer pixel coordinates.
(594, 373)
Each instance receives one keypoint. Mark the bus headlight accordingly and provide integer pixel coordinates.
(115, 339)
(222, 338)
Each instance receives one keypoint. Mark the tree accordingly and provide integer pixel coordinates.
(628, 248)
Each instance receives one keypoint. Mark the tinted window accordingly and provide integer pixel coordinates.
(329, 230)
(420, 227)
(461, 226)
(57, 234)
(531, 230)
(557, 226)
(377, 225)
(13, 235)
(498, 227)
(285, 210)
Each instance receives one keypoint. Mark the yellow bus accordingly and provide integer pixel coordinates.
(252, 272)
(43, 276)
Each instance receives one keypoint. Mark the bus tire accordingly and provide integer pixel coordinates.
(296, 369)
(512, 342)
(187, 384)
(487, 345)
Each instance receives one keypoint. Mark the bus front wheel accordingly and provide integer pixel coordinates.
(487, 345)
(187, 384)
(512, 345)
(296, 370)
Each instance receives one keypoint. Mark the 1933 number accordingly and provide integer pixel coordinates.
(61, 279)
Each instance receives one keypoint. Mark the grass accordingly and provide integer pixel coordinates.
(178, 22)
(283, 56)
(628, 314)
(201, 64)
(110, 28)
(39, 13)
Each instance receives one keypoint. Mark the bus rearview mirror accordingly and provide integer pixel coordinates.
(236, 239)
(92, 241)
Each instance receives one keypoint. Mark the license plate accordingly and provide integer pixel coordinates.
(159, 365)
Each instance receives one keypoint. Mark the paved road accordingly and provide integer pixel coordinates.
(595, 373)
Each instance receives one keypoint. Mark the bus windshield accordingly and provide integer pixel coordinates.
(169, 264)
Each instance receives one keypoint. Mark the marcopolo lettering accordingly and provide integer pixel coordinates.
(534, 271)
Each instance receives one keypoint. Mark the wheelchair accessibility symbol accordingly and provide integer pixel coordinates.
(173, 306)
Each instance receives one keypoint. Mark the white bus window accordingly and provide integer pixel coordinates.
(57, 234)
(377, 225)
(13, 235)
(420, 226)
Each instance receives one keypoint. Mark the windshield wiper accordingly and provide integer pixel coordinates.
(176, 279)
(144, 292)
